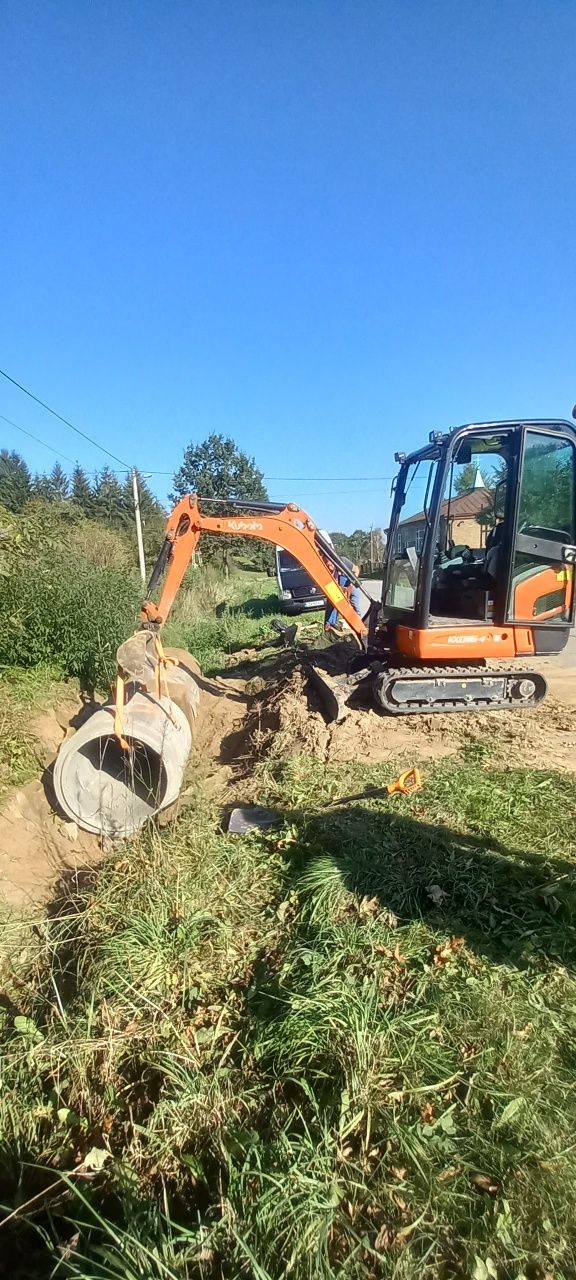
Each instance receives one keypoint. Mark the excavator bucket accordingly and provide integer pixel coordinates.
(333, 675)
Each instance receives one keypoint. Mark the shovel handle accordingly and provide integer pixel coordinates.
(407, 783)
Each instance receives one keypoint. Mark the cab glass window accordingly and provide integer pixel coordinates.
(542, 583)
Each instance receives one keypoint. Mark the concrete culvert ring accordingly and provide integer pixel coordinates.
(112, 791)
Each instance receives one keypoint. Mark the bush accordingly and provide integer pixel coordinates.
(100, 548)
(69, 592)
(68, 614)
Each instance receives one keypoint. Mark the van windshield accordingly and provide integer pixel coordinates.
(286, 561)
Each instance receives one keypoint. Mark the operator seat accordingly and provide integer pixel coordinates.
(491, 562)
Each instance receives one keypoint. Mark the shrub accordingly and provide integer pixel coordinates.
(101, 548)
(68, 592)
(70, 615)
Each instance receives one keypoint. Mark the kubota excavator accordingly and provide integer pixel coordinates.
(479, 570)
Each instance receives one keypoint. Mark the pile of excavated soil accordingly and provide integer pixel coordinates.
(38, 846)
(292, 722)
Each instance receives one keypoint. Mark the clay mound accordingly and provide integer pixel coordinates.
(287, 719)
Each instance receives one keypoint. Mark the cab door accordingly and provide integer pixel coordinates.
(544, 547)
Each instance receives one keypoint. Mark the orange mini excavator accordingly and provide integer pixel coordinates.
(479, 571)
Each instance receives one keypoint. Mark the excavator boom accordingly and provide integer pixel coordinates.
(286, 526)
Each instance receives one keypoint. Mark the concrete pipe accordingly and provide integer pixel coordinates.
(111, 791)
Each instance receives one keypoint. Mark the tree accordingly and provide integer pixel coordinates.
(81, 491)
(362, 546)
(493, 512)
(109, 504)
(217, 468)
(466, 479)
(41, 487)
(152, 514)
(547, 492)
(149, 504)
(58, 484)
(15, 481)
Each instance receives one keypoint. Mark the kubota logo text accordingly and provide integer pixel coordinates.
(244, 526)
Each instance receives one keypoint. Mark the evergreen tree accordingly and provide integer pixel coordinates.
(466, 478)
(58, 484)
(81, 491)
(15, 481)
(41, 487)
(109, 503)
(149, 504)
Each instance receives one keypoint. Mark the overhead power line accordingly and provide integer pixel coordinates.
(301, 479)
(298, 479)
(31, 436)
(127, 467)
(64, 420)
(335, 493)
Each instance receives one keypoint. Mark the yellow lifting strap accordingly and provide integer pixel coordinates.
(161, 682)
(163, 662)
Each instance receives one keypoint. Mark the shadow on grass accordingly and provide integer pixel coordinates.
(511, 906)
(256, 607)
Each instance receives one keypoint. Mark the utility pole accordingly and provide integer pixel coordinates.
(138, 519)
(371, 546)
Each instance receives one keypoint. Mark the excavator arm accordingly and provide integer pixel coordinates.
(286, 526)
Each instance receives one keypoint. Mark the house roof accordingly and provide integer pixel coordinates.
(465, 505)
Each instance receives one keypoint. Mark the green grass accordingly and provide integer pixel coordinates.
(22, 693)
(341, 1049)
(215, 617)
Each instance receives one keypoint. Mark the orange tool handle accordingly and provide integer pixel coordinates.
(407, 783)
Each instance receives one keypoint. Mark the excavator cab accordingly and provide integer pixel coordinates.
(482, 543)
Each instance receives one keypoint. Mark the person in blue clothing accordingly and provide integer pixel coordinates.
(331, 615)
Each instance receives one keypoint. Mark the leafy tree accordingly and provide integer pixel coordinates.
(15, 481)
(109, 502)
(81, 491)
(217, 468)
(362, 546)
(547, 494)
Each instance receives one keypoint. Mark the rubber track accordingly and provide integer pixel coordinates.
(385, 681)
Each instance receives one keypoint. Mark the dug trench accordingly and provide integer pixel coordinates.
(259, 706)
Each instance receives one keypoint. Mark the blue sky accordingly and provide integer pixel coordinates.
(323, 227)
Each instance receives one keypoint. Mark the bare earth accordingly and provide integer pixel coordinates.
(542, 738)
